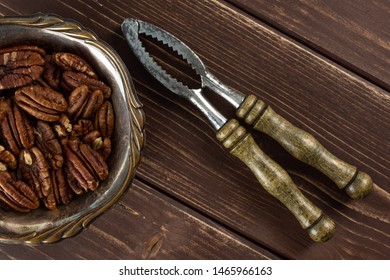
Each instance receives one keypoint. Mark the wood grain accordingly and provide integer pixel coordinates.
(353, 33)
(183, 159)
(145, 225)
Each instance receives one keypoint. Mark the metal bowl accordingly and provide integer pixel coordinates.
(55, 33)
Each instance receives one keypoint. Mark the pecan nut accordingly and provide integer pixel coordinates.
(15, 127)
(20, 66)
(51, 72)
(72, 182)
(49, 144)
(78, 169)
(62, 192)
(17, 194)
(36, 169)
(41, 102)
(83, 104)
(95, 161)
(104, 119)
(73, 62)
(72, 80)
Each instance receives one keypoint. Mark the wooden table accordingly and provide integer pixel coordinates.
(324, 65)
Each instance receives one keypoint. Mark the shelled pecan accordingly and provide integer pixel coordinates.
(69, 61)
(39, 171)
(63, 194)
(56, 126)
(20, 66)
(83, 103)
(51, 72)
(104, 119)
(17, 132)
(49, 144)
(79, 169)
(41, 102)
(17, 194)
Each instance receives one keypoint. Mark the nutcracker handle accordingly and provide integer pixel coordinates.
(276, 180)
(303, 146)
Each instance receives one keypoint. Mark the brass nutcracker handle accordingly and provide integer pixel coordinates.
(305, 147)
(276, 181)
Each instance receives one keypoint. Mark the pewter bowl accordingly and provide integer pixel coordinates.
(55, 33)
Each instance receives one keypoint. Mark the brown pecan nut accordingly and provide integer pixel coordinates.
(70, 61)
(95, 161)
(104, 119)
(51, 72)
(83, 104)
(79, 170)
(36, 171)
(15, 127)
(62, 192)
(72, 182)
(17, 194)
(72, 80)
(20, 66)
(7, 158)
(41, 102)
(26, 172)
(49, 144)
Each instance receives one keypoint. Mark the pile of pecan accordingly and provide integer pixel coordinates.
(56, 124)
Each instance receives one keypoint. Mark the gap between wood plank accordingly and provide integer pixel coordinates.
(214, 220)
(313, 47)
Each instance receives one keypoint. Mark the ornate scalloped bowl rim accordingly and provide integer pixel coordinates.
(135, 118)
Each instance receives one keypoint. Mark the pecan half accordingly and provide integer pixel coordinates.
(15, 127)
(17, 194)
(104, 119)
(41, 102)
(49, 144)
(62, 192)
(35, 170)
(95, 161)
(26, 172)
(20, 66)
(79, 170)
(83, 104)
(70, 61)
(72, 182)
(72, 80)
(51, 72)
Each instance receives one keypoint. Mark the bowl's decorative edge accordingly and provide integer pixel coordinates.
(73, 29)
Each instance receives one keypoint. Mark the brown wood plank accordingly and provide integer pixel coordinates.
(353, 33)
(346, 113)
(145, 225)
